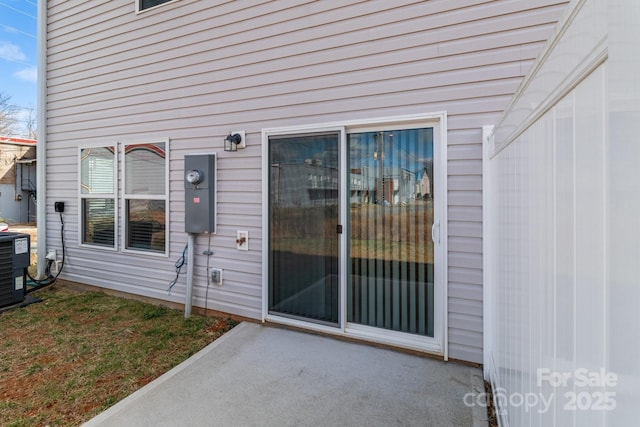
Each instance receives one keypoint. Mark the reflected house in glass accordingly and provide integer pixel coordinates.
(387, 171)
(424, 187)
(310, 183)
(304, 184)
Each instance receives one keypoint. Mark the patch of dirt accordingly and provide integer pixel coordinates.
(491, 410)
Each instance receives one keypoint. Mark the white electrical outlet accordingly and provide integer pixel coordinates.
(55, 267)
(242, 241)
(216, 276)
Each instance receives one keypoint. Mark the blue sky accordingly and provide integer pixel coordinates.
(18, 52)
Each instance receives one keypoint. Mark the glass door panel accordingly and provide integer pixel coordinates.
(391, 278)
(303, 220)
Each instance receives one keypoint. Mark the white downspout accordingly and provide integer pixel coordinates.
(41, 154)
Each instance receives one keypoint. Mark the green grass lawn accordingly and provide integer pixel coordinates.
(66, 359)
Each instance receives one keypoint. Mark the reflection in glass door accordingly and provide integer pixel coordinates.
(391, 280)
(303, 220)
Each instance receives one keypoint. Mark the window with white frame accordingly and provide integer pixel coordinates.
(98, 203)
(145, 196)
(148, 4)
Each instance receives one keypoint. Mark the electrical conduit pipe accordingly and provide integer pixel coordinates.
(189, 290)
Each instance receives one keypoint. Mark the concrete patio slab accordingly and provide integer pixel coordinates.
(265, 376)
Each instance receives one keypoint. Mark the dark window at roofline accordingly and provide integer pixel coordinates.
(146, 4)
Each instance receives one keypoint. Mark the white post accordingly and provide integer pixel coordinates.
(487, 212)
(189, 290)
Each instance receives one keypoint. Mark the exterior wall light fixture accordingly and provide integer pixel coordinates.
(233, 141)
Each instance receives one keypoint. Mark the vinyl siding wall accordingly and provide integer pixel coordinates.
(194, 70)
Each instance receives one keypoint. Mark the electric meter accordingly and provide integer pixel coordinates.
(194, 177)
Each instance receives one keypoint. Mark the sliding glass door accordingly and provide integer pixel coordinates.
(303, 231)
(391, 278)
(377, 277)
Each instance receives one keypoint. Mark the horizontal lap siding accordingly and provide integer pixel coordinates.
(181, 71)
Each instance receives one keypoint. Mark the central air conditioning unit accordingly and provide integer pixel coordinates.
(14, 259)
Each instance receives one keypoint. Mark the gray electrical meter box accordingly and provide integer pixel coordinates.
(200, 193)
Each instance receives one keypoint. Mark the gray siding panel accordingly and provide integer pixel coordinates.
(465, 213)
(465, 152)
(463, 321)
(465, 198)
(465, 307)
(464, 291)
(465, 229)
(465, 260)
(465, 352)
(469, 276)
(465, 244)
(465, 167)
(179, 72)
(459, 335)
